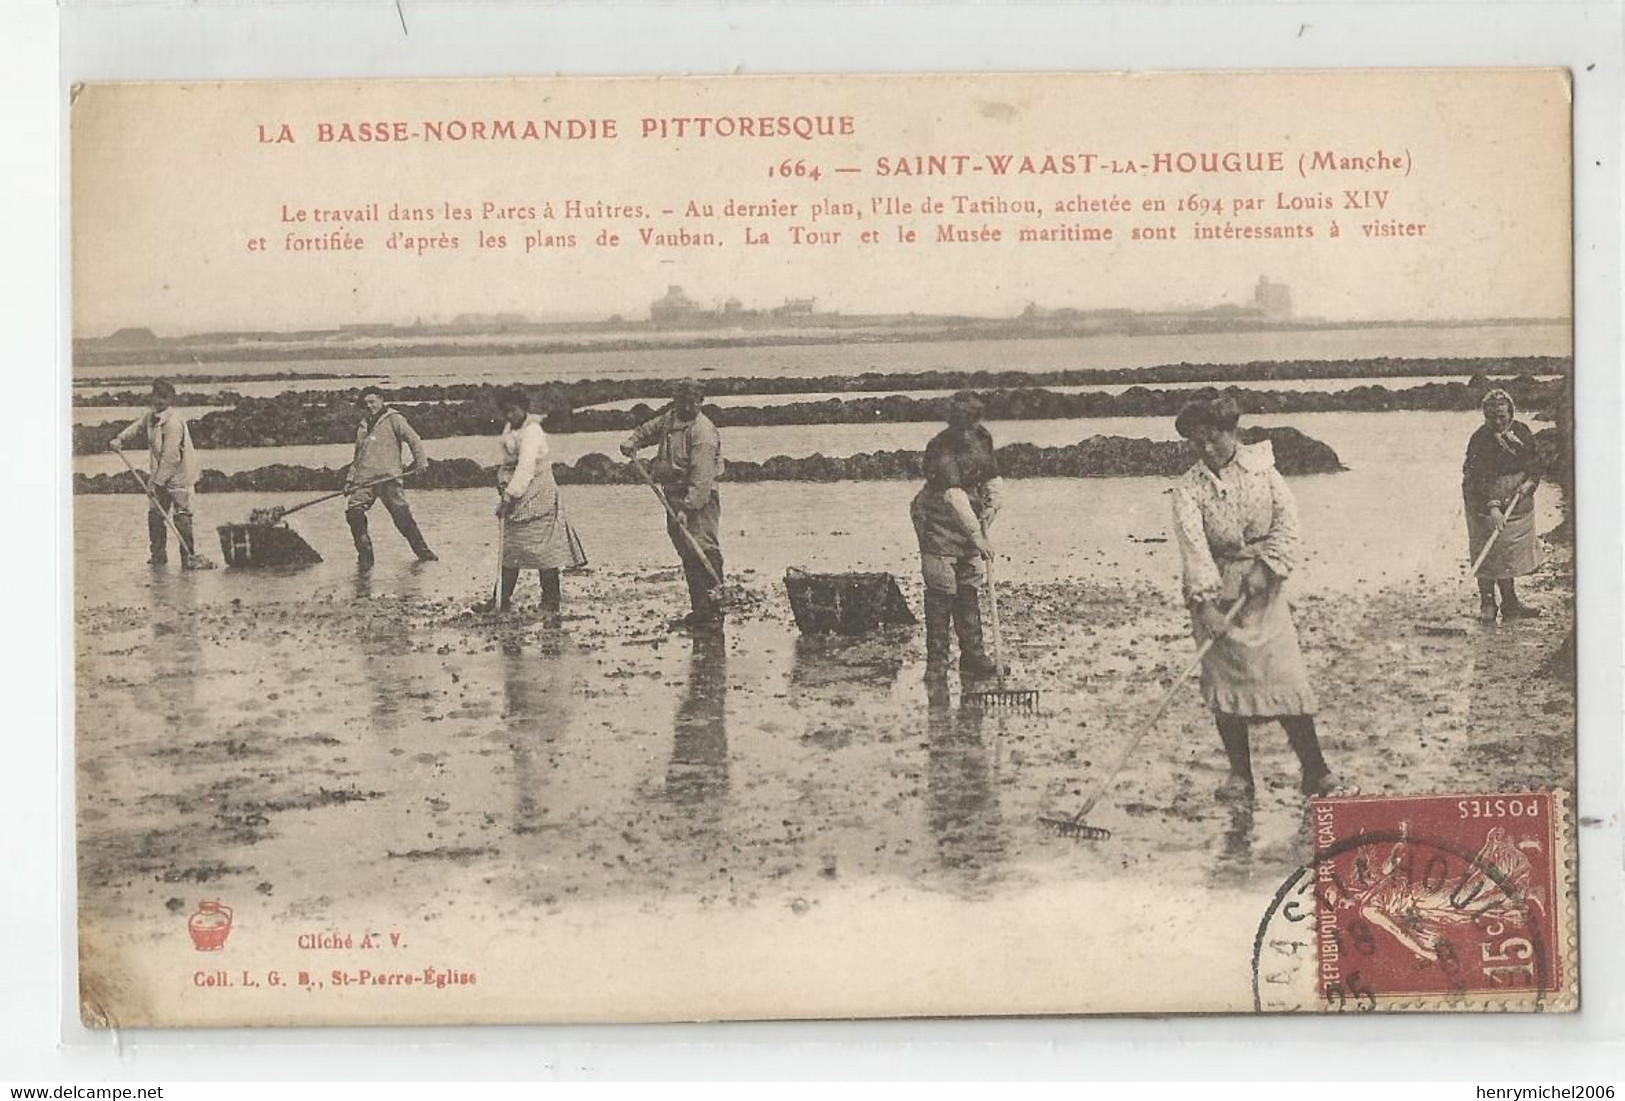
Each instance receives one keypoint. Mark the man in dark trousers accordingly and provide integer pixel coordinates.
(378, 440)
(688, 462)
(171, 471)
(952, 513)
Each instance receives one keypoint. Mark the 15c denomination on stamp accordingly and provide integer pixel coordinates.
(1424, 902)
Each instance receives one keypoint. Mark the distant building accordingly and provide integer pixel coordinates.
(1273, 300)
(796, 307)
(676, 309)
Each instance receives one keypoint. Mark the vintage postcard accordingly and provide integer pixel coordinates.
(566, 550)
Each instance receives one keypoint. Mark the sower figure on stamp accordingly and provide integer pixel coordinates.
(171, 472)
(688, 462)
(952, 514)
(1498, 482)
(378, 440)
(535, 534)
(1237, 526)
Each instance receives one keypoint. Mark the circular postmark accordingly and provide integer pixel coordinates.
(1388, 919)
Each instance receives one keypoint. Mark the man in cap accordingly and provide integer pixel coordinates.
(378, 441)
(688, 462)
(171, 470)
(952, 513)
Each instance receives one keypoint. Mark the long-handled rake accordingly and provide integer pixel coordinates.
(999, 696)
(1489, 544)
(190, 559)
(266, 539)
(726, 597)
(1076, 826)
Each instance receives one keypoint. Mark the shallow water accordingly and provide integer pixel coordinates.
(311, 744)
(1398, 503)
(322, 745)
(1311, 385)
(1433, 437)
(806, 360)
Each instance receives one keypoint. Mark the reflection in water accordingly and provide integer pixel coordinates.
(823, 661)
(1233, 864)
(962, 802)
(175, 654)
(407, 581)
(829, 668)
(537, 692)
(386, 686)
(697, 774)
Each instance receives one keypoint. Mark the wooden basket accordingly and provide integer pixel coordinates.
(846, 603)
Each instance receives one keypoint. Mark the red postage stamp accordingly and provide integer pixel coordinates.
(1435, 899)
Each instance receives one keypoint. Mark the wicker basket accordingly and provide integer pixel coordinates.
(846, 603)
(255, 545)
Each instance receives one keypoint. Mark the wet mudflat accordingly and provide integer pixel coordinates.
(370, 743)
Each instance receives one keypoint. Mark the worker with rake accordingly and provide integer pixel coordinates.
(952, 514)
(1237, 527)
(1498, 482)
(535, 535)
(687, 464)
(375, 475)
(171, 472)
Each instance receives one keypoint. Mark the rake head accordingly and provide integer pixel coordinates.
(1000, 699)
(729, 597)
(1075, 828)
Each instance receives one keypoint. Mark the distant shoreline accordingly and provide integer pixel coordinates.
(292, 420)
(171, 351)
(584, 392)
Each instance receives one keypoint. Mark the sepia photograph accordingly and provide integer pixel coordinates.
(572, 550)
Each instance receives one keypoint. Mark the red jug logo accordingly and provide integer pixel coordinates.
(210, 926)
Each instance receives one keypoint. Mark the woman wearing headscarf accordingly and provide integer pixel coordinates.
(951, 514)
(535, 533)
(1498, 483)
(1237, 526)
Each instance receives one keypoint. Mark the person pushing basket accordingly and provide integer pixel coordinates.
(375, 475)
(1237, 527)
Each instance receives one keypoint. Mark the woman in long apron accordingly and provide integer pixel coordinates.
(1498, 483)
(535, 533)
(1237, 527)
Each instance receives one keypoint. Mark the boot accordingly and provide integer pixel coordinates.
(157, 538)
(1238, 750)
(357, 519)
(705, 613)
(502, 602)
(973, 659)
(939, 616)
(552, 597)
(1486, 601)
(1305, 742)
(1511, 606)
(183, 527)
(407, 525)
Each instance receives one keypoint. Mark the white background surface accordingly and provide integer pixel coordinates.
(40, 1040)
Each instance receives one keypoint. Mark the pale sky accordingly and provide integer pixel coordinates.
(172, 182)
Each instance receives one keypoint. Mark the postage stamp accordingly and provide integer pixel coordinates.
(1425, 902)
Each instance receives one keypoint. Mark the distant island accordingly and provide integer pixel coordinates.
(677, 320)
